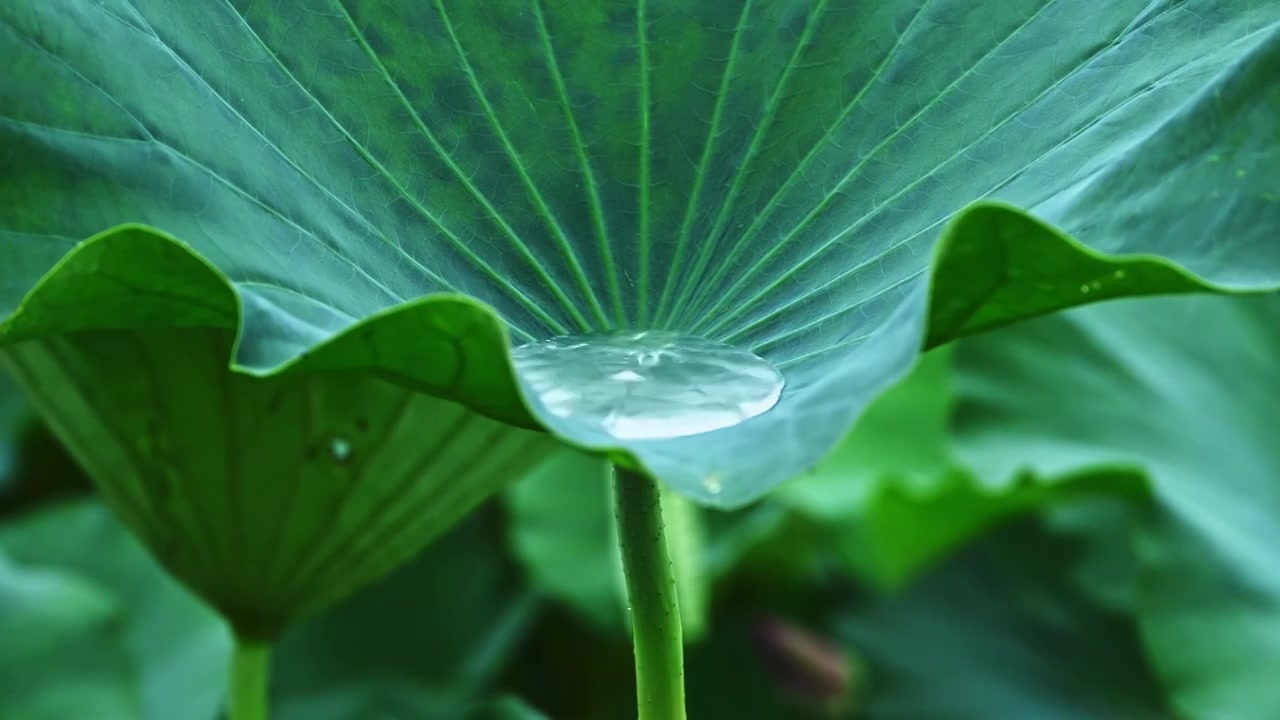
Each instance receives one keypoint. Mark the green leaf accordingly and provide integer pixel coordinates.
(564, 533)
(450, 619)
(1183, 389)
(398, 700)
(771, 174)
(900, 440)
(894, 497)
(35, 468)
(93, 628)
(271, 497)
(1002, 632)
(12, 411)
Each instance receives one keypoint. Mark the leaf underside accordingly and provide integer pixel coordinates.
(789, 176)
(271, 498)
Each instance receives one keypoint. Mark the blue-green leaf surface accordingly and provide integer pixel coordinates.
(772, 174)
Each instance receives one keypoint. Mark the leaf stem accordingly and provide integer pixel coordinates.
(250, 666)
(651, 594)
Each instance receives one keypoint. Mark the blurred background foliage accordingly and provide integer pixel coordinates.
(1072, 518)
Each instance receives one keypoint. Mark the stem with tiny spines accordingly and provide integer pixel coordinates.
(651, 595)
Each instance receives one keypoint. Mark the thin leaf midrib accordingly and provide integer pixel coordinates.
(598, 222)
(646, 212)
(837, 124)
(151, 137)
(301, 584)
(513, 155)
(416, 117)
(221, 567)
(700, 172)
(742, 308)
(753, 148)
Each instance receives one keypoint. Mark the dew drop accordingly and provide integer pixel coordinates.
(340, 449)
(1119, 274)
(712, 484)
(1084, 289)
(648, 385)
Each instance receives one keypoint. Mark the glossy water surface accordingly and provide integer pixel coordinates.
(649, 384)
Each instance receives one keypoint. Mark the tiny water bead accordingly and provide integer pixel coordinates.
(340, 449)
(648, 385)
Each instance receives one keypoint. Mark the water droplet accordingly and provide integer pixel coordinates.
(1119, 274)
(648, 385)
(340, 449)
(1084, 289)
(711, 483)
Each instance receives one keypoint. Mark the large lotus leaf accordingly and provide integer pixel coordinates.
(94, 629)
(1184, 389)
(772, 174)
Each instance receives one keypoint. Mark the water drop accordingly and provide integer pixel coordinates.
(340, 449)
(712, 484)
(1119, 274)
(648, 385)
(1084, 289)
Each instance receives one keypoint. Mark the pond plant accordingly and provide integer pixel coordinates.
(300, 284)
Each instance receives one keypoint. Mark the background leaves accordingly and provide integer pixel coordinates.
(1180, 388)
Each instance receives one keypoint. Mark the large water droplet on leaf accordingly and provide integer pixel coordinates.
(648, 385)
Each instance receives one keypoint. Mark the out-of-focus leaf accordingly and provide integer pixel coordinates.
(686, 545)
(1001, 632)
(61, 657)
(509, 708)
(901, 440)
(398, 700)
(900, 532)
(450, 618)
(564, 532)
(387, 700)
(94, 629)
(895, 496)
(11, 409)
(35, 467)
(1185, 389)
(87, 613)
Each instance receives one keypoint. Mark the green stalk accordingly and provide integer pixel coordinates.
(250, 665)
(651, 593)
